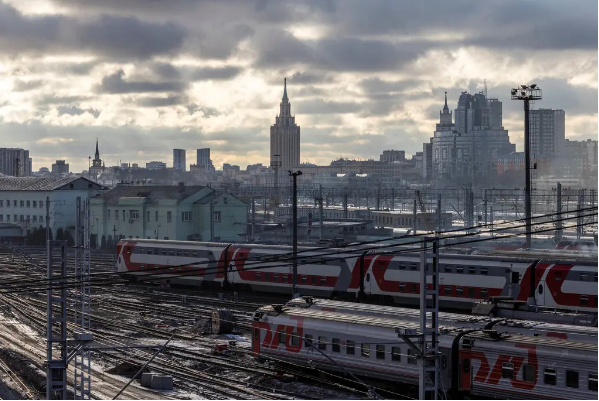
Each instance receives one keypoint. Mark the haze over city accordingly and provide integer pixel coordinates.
(145, 77)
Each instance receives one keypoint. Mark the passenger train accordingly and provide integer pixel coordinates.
(473, 362)
(345, 273)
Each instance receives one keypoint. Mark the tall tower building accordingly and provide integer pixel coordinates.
(203, 159)
(96, 167)
(15, 162)
(445, 118)
(285, 136)
(179, 159)
(547, 131)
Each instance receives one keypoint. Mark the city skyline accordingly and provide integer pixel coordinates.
(366, 86)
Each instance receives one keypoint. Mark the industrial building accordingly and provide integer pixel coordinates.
(175, 212)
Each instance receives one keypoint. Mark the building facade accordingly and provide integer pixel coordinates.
(285, 136)
(154, 165)
(60, 167)
(547, 131)
(174, 212)
(179, 162)
(203, 160)
(467, 149)
(23, 200)
(15, 162)
(390, 156)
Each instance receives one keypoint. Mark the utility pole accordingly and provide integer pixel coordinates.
(319, 200)
(415, 214)
(345, 206)
(439, 214)
(559, 222)
(426, 349)
(294, 278)
(276, 164)
(253, 211)
(579, 213)
(527, 93)
(47, 218)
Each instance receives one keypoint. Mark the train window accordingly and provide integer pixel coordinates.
(313, 280)
(322, 343)
(447, 290)
(484, 270)
(323, 281)
(529, 374)
(507, 370)
(593, 381)
(128, 250)
(308, 340)
(276, 276)
(294, 338)
(171, 252)
(484, 293)
(281, 337)
(149, 251)
(164, 252)
(403, 267)
(336, 345)
(194, 254)
(304, 280)
(584, 277)
(558, 276)
(142, 267)
(584, 300)
(186, 253)
(402, 287)
(413, 266)
(447, 269)
(411, 357)
(471, 292)
(380, 352)
(350, 347)
(459, 291)
(284, 278)
(179, 252)
(395, 354)
(572, 378)
(472, 270)
(595, 277)
(365, 350)
(414, 288)
(258, 276)
(550, 377)
(459, 269)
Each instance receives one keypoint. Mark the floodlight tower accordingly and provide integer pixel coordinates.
(527, 93)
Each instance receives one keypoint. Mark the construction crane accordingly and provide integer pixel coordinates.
(427, 217)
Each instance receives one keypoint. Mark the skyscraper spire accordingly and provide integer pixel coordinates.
(445, 99)
(97, 151)
(285, 89)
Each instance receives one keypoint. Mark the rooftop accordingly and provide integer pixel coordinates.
(150, 192)
(38, 183)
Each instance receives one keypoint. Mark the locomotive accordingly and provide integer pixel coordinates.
(473, 362)
(345, 273)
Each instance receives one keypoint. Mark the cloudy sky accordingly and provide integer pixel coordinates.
(146, 76)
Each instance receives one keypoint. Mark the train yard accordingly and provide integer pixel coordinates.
(129, 324)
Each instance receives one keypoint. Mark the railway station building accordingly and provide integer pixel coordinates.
(169, 212)
(23, 200)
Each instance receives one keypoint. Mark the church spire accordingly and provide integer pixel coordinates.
(97, 151)
(285, 89)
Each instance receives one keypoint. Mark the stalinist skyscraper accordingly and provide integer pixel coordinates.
(285, 137)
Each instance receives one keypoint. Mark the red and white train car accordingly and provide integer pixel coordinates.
(472, 363)
(561, 284)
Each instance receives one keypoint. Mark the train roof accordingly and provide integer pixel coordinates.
(535, 340)
(413, 253)
(449, 318)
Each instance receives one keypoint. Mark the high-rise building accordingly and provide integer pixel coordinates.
(547, 131)
(60, 167)
(390, 156)
(468, 149)
(203, 160)
(155, 165)
(15, 162)
(179, 159)
(285, 136)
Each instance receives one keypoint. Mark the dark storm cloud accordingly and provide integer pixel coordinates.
(109, 36)
(318, 106)
(49, 99)
(304, 78)
(161, 101)
(279, 49)
(76, 111)
(208, 111)
(214, 74)
(115, 84)
(166, 71)
(24, 86)
(376, 86)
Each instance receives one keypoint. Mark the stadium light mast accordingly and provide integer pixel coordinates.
(527, 93)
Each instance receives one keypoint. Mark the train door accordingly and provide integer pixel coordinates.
(465, 372)
(540, 293)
